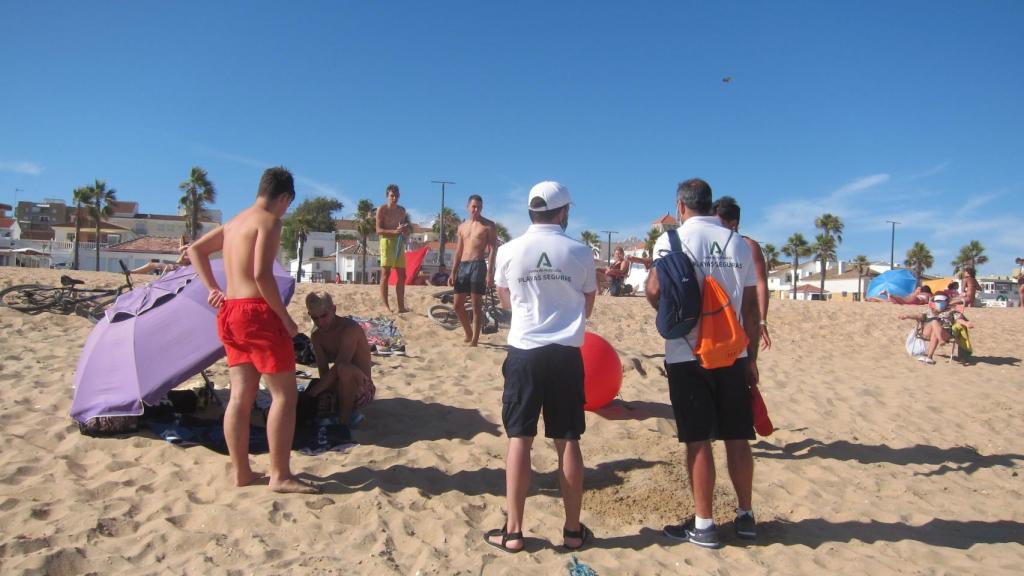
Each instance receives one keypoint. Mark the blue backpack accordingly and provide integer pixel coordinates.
(679, 301)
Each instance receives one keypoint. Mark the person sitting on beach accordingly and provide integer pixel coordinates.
(392, 227)
(937, 325)
(728, 211)
(255, 328)
(440, 278)
(921, 295)
(342, 357)
(617, 272)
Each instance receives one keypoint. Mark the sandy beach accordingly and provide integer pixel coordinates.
(879, 464)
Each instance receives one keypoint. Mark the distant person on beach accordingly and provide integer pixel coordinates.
(548, 281)
(617, 272)
(1020, 281)
(937, 325)
(473, 266)
(164, 266)
(921, 295)
(255, 328)
(393, 228)
(716, 403)
(440, 278)
(728, 212)
(342, 356)
(971, 287)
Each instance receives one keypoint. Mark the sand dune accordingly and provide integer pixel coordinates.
(879, 465)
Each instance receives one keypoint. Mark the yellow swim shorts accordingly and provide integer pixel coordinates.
(392, 252)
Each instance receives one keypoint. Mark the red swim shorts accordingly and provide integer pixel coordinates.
(253, 334)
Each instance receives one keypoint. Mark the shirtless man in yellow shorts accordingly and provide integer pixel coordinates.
(393, 228)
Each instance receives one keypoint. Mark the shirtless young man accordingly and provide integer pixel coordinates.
(341, 342)
(971, 287)
(471, 273)
(728, 211)
(255, 328)
(392, 227)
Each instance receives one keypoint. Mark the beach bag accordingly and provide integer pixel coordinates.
(303, 349)
(963, 341)
(109, 425)
(916, 346)
(679, 300)
(721, 338)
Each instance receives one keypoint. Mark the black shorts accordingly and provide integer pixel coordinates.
(711, 404)
(548, 379)
(472, 277)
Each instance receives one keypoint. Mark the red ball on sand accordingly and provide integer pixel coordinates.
(602, 371)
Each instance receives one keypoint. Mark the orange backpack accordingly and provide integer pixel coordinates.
(721, 338)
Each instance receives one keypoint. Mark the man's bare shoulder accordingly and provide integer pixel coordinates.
(487, 222)
(253, 217)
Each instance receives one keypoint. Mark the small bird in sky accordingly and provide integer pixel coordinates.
(727, 79)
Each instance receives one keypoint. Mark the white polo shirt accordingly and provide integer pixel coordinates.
(547, 273)
(732, 265)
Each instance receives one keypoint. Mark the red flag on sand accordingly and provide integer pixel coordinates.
(762, 423)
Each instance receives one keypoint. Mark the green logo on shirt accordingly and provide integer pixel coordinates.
(716, 250)
(544, 261)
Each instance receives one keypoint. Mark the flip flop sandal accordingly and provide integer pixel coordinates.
(584, 534)
(505, 538)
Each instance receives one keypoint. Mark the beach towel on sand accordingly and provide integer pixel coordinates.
(382, 335)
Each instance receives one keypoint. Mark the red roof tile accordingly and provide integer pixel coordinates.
(154, 244)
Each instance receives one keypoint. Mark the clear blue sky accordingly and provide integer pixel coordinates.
(874, 111)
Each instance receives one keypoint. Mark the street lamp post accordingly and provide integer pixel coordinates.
(440, 223)
(609, 232)
(892, 244)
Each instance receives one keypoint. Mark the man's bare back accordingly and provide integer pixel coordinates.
(241, 240)
(345, 342)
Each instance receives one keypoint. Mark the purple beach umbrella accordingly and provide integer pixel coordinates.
(152, 339)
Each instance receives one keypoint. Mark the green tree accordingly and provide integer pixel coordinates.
(796, 247)
(592, 240)
(451, 225)
(771, 256)
(971, 255)
(826, 243)
(366, 226)
(80, 196)
(652, 236)
(198, 192)
(919, 259)
(825, 251)
(102, 206)
(315, 215)
(861, 263)
(502, 233)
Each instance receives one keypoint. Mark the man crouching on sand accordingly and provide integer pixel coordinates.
(255, 328)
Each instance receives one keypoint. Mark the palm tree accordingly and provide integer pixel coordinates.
(303, 226)
(197, 193)
(592, 240)
(501, 232)
(652, 237)
(971, 255)
(796, 247)
(451, 225)
(771, 256)
(831, 228)
(861, 263)
(102, 205)
(82, 195)
(825, 251)
(366, 225)
(919, 259)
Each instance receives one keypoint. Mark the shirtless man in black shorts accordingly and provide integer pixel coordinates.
(342, 356)
(473, 266)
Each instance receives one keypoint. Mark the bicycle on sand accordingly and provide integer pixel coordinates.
(90, 303)
(444, 315)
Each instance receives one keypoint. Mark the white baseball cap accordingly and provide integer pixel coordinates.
(553, 194)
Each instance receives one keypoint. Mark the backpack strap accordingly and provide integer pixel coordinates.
(673, 240)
